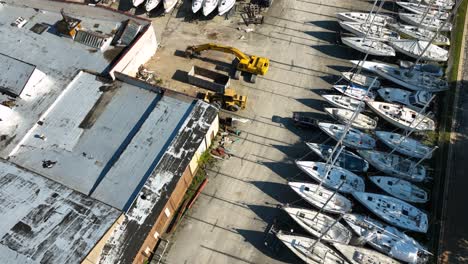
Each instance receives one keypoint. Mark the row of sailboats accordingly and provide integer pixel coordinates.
(207, 6)
(338, 183)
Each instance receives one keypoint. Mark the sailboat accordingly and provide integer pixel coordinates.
(347, 159)
(335, 177)
(359, 255)
(360, 79)
(321, 197)
(422, 9)
(169, 5)
(353, 139)
(320, 225)
(395, 165)
(197, 5)
(414, 32)
(371, 31)
(355, 92)
(401, 189)
(387, 239)
(301, 246)
(344, 116)
(209, 6)
(427, 69)
(136, 3)
(413, 100)
(429, 22)
(151, 4)
(394, 211)
(415, 48)
(343, 101)
(404, 145)
(362, 17)
(402, 117)
(225, 6)
(373, 47)
(412, 79)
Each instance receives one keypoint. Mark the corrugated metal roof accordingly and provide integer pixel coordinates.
(45, 222)
(14, 74)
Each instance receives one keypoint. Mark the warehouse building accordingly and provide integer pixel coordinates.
(102, 160)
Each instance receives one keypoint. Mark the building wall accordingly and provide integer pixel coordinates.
(95, 254)
(139, 53)
(175, 200)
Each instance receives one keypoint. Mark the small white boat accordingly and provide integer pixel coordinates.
(320, 225)
(355, 92)
(430, 69)
(347, 159)
(225, 6)
(136, 3)
(402, 117)
(301, 247)
(359, 255)
(404, 145)
(413, 100)
(423, 9)
(387, 239)
(353, 139)
(318, 196)
(343, 101)
(394, 211)
(344, 116)
(361, 79)
(414, 32)
(415, 48)
(371, 31)
(336, 176)
(395, 165)
(373, 47)
(412, 79)
(362, 17)
(169, 5)
(197, 5)
(429, 22)
(401, 189)
(209, 6)
(151, 4)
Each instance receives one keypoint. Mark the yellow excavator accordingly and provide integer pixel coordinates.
(252, 64)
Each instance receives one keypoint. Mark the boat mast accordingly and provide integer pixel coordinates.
(326, 202)
(325, 232)
(344, 133)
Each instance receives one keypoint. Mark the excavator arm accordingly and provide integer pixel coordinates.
(196, 50)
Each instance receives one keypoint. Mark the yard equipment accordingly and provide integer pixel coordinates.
(230, 100)
(247, 63)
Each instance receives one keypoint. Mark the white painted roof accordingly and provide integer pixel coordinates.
(14, 74)
(45, 222)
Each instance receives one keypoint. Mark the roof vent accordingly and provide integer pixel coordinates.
(92, 39)
(19, 22)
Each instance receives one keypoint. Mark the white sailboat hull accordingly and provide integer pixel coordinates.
(151, 4)
(169, 5)
(359, 255)
(197, 5)
(136, 3)
(415, 49)
(209, 6)
(414, 32)
(402, 117)
(225, 6)
(373, 47)
(320, 225)
(353, 139)
(355, 92)
(337, 176)
(344, 102)
(362, 17)
(429, 22)
(401, 189)
(317, 196)
(344, 116)
(412, 100)
(401, 214)
(380, 33)
(404, 145)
